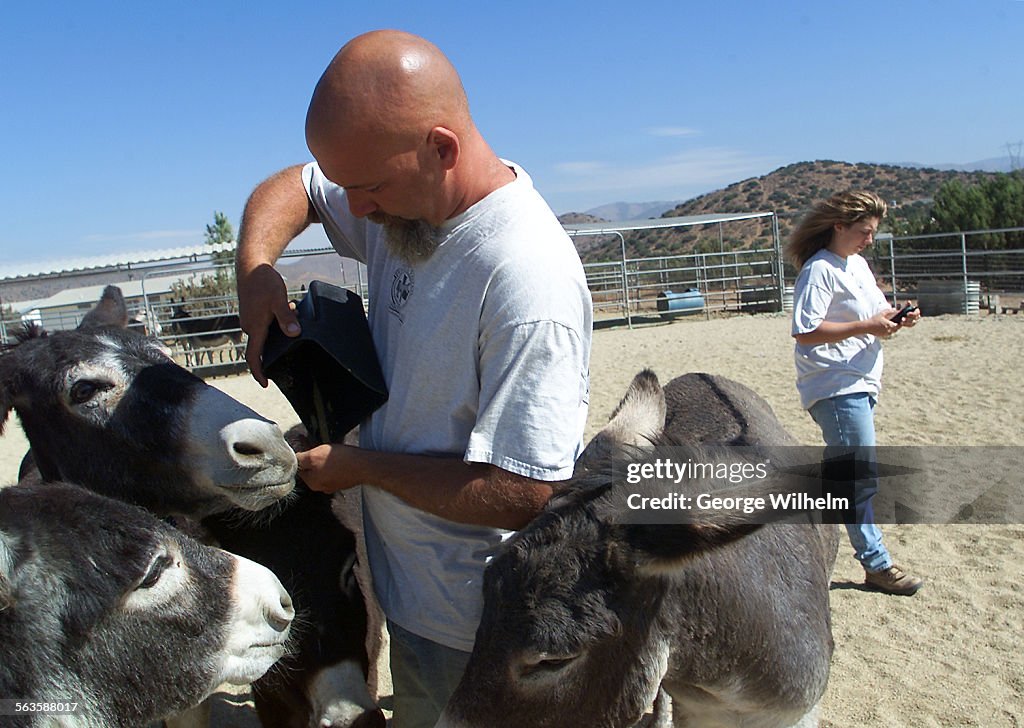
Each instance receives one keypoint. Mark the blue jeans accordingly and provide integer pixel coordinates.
(849, 421)
(424, 674)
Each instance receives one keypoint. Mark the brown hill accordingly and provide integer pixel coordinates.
(576, 218)
(789, 191)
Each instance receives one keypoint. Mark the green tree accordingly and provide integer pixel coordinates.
(220, 231)
(912, 219)
(960, 206)
(1006, 193)
(992, 202)
(213, 293)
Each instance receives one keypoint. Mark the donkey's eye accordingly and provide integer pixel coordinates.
(547, 664)
(85, 389)
(553, 663)
(156, 570)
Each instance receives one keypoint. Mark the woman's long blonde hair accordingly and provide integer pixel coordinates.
(815, 231)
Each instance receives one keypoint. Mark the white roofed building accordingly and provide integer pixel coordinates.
(57, 294)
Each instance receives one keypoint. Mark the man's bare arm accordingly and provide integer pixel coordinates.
(277, 211)
(475, 493)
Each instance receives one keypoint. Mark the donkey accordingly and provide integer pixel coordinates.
(145, 321)
(106, 408)
(111, 618)
(201, 334)
(590, 618)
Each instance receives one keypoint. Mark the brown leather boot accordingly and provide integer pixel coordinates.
(893, 580)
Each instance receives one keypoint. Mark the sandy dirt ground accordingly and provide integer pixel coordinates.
(953, 655)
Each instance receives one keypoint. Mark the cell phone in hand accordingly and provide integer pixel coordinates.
(902, 313)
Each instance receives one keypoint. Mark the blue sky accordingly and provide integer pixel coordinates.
(124, 126)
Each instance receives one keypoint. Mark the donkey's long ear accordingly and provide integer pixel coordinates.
(109, 311)
(640, 416)
(636, 422)
(661, 548)
(670, 537)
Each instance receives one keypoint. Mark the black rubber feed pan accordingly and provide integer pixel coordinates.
(329, 373)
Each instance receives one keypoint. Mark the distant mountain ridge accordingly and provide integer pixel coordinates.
(631, 210)
(993, 164)
(788, 191)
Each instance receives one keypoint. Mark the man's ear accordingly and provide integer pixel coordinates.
(445, 144)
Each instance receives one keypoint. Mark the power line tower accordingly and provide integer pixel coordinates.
(1013, 151)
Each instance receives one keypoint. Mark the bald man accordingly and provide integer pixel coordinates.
(481, 318)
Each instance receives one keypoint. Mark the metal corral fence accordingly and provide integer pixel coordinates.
(204, 333)
(958, 272)
(945, 273)
(742, 280)
(923, 268)
(727, 280)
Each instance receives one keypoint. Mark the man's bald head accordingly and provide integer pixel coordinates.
(386, 84)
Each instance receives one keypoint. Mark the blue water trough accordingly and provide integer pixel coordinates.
(671, 303)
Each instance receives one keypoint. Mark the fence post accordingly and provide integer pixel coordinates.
(892, 270)
(780, 276)
(702, 281)
(963, 260)
(150, 319)
(625, 280)
(3, 322)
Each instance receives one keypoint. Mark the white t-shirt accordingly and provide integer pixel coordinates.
(832, 288)
(485, 349)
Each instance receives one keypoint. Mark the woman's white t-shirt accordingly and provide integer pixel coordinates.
(832, 288)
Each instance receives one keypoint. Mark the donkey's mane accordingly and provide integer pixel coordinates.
(27, 331)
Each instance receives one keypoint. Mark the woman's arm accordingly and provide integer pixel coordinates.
(831, 332)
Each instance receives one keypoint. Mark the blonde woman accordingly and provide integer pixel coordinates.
(839, 319)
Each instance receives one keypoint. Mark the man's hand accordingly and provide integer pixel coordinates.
(262, 298)
(322, 468)
(276, 212)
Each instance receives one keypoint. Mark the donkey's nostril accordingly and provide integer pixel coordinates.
(257, 448)
(247, 448)
(280, 620)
